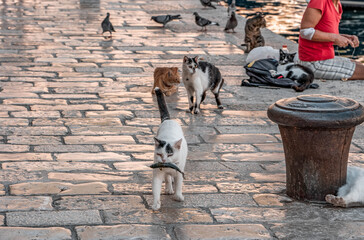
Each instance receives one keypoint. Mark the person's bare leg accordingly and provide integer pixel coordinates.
(359, 72)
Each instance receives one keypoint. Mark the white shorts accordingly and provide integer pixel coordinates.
(338, 68)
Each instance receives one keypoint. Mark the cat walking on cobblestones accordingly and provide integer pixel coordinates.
(198, 77)
(170, 147)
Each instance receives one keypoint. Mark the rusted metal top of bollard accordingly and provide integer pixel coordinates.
(317, 111)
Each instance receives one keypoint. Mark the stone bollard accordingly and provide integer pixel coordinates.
(316, 133)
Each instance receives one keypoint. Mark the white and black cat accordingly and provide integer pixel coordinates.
(269, 52)
(301, 74)
(198, 77)
(352, 193)
(170, 147)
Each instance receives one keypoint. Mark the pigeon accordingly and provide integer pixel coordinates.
(207, 3)
(164, 19)
(232, 22)
(231, 8)
(203, 22)
(107, 26)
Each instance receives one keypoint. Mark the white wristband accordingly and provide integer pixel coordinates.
(307, 33)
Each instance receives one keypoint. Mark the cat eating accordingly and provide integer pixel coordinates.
(170, 147)
(198, 77)
(352, 193)
(166, 79)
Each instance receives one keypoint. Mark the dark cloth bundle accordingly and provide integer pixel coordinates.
(259, 74)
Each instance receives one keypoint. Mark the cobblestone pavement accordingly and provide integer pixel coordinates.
(77, 121)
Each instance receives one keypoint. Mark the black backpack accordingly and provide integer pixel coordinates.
(259, 74)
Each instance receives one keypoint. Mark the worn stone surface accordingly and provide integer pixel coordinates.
(219, 232)
(130, 231)
(164, 216)
(53, 218)
(52, 233)
(77, 121)
(15, 203)
(99, 202)
(58, 188)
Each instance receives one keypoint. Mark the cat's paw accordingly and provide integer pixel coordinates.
(190, 109)
(156, 206)
(220, 107)
(169, 191)
(197, 111)
(273, 73)
(179, 197)
(336, 201)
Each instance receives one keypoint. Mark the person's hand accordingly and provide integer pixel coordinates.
(354, 39)
(342, 41)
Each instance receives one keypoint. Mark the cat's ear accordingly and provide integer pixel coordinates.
(281, 51)
(157, 142)
(175, 70)
(178, 144)
(185, 59)
(196, 59)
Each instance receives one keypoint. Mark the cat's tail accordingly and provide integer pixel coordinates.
(163, 110)
(306, 81)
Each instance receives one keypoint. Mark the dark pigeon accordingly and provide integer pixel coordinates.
(232, 22)
(207, 3)
(203, 22)
(164, 19)
(107, 26)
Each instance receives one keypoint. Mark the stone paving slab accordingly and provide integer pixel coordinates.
(77, 121)
(124, 231)
(227, 231)
(52, 233)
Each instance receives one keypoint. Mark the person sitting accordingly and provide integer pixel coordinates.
(318, 35)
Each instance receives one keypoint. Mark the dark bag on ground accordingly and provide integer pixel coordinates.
(259, 74)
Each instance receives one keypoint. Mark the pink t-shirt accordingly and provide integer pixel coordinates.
(315, 51)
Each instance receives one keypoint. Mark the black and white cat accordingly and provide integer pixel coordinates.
(269, 52)
(352, 193)
(301, 74)
(170, 147)
(198, 77)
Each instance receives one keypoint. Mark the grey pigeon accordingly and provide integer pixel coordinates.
(107, 26)
(231, 8)
(232, 22)
(203, 22)
(207, 3)
(164, 19)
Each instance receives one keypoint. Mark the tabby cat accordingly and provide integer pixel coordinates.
(253, 36)
(198, 77)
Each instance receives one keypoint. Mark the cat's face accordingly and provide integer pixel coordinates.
(173, 76)
(166, 152)
(191, 64)
(259, 20)
(285, 58)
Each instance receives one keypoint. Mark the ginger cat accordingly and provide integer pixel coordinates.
(166, 79)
